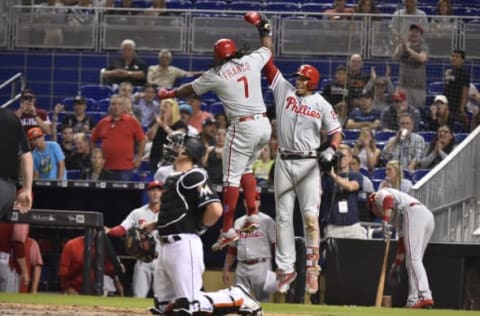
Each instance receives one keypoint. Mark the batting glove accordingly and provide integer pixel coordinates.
(394, 276)
(386, 229)
(327, 154)
(166, 94)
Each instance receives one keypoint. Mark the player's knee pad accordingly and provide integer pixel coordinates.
(181, 307)
(224, 308)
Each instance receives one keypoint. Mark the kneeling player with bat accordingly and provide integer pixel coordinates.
(415, 224)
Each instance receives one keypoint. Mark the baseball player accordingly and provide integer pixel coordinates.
(189, 206)
(253, 251)
(300, 113)
(415, 224)
(12, 243)
(143, 273)
(236, 79)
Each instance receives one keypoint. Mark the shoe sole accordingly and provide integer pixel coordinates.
(154, 311)
(258, 312)
(283, 291)
(220, 247)
(249, 228)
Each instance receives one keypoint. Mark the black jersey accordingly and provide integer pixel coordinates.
(183, 202)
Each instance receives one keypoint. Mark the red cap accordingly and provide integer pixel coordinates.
(417, 26)
(34, 132)
(399, 96)
(154, 184)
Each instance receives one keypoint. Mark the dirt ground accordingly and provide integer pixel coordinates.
(57, 310)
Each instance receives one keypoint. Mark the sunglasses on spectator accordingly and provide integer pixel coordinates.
(28, 98)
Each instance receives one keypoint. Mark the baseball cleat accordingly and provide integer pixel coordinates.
(426, 303)
(154, 311)
(251, 223)
(311, 284)
(225, 239)
(284, 280)
(250, 306)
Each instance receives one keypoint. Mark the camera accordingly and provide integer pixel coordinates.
(326, 166)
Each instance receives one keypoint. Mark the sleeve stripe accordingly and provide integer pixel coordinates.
(275, 79)
(335, 130)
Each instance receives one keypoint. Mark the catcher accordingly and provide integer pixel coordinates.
(139, 243)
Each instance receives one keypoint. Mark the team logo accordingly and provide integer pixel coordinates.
(205, 190)
(292, 105)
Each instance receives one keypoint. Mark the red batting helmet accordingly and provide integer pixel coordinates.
(311, 73)
(224, 48)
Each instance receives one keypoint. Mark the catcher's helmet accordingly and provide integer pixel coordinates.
(311, 73)
(224, 48)
(193, 146)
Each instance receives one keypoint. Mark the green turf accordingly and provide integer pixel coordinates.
(287, 309)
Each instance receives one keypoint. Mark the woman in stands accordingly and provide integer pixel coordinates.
(439, 148)
(96, 171)
(443, 20)
(394, 178)
(366, 149)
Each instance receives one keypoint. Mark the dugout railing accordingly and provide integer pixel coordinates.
(452, 191)
(194, 31)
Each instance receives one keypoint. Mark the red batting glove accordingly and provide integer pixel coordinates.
(253, 17)
(166, 94)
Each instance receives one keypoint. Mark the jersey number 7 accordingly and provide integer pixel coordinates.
(245, 85)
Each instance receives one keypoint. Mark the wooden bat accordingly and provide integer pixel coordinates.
(381, 281)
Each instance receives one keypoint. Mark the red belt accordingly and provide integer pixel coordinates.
(254, 261)
(413, 204)
(252, 117)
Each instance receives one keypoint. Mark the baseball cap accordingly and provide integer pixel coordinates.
(440, 98)
(208, 121)
(79, 99)
(417, 26)
(154, 184)
(27, 93)
(34, 132)
(340, 68)
(399, 96)
(185, 107)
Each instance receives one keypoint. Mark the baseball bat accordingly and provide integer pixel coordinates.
(381, 281)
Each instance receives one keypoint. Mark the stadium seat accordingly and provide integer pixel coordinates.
(281, 7)
(143, 4)
(383, 136)
(73, 174)
(102, 105)
(216, 107)
(96, 92)
(96, 116)
(378, 173)
(246, 6)
(428, 136)
(315, 7)
(418, 174)
(376, 183)
(351, 133)
(68, 103)
(435, 87)
(210, 5)
(179, 5)
(268, 97)
(459, 137)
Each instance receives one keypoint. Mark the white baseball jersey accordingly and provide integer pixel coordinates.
(301, 118)
(163, 172)
(258, 243)
(237, 83)
(416, 224)
(143, 273)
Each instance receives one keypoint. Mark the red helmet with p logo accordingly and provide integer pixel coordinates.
(224, 48)
(311, 73)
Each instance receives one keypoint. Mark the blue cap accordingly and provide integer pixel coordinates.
(185, 107)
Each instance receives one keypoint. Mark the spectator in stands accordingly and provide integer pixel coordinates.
(198, 116)
(119, 133)
(475, 121)
(439, 113)
(391, 115)
(186, 116)
(367, 188)
(96, 172)
(164, 74)
(80, 160)
(29, 115)
(382, 88)
(48, 158)
(405, 146)
(125, 89)
(364, 115)
(340, 215)
(158, 8)
(209, 130)
(128, 67)
(443, 21)
(473, 104)
(126, 4)
(366, 7)
(67, 145)
(147, 105)
(53, 15)
(165, 123)
(394, 178)
(213, 159)
(412, 53)
(356, 80)
(71, 267)
(457, 83)
(335, 92)
(366, 150)
(82, 14)
(401, 22)
(339, 8)
(439, 148)
(79, 120)
(262, 166)
(33, 262)
(221, 120)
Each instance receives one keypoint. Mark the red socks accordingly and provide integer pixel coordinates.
(249, 186)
